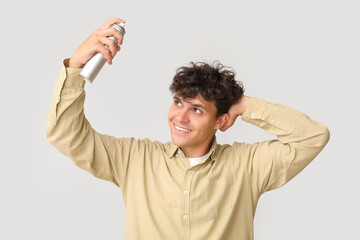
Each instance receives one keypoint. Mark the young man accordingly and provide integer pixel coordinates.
(191, 187)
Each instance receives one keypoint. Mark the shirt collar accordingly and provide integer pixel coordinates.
(171, 149)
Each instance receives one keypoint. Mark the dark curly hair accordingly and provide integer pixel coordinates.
(213, 82)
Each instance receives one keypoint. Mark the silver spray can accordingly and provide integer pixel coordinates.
(93, 66)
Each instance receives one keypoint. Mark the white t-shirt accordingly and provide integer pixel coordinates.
(198, 160)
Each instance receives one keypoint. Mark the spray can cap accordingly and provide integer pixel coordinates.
(120, 27)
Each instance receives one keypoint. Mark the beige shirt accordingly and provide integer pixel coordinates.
(166, 198)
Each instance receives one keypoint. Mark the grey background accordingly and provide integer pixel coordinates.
(304, 54)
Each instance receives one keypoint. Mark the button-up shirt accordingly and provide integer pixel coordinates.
(166, 198)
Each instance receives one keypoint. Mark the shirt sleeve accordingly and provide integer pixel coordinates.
(68, 130)
(300, 139)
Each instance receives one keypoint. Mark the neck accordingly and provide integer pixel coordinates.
(197, 152)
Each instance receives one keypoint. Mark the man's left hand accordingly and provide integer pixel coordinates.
(237, 109)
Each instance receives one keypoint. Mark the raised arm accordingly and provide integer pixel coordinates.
(67, 128)
(273, 163)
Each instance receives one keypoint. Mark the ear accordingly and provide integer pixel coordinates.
(222, 120)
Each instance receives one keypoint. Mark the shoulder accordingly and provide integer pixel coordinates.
(237, 147)
(138, 142)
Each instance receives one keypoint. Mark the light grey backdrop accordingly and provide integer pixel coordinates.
(304, 54)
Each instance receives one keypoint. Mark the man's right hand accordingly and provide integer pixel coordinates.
(96, 42)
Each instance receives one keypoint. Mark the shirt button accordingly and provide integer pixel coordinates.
(177, 155)
(272, 121)
(185, 192)
(252, 114)
(185, 217)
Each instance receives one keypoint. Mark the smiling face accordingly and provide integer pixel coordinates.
(193, 124)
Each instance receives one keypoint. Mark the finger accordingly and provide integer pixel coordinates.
(113, 32)
(105, 52)
(118, 48)
(110, 22)
(119, 37)
(110, 44)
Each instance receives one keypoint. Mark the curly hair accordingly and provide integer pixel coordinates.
(213, 82)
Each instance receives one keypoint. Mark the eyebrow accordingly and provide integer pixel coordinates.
(192, 104)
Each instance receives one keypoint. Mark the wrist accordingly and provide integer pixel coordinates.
(74, 64)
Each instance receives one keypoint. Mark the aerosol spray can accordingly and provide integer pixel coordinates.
(96, 62)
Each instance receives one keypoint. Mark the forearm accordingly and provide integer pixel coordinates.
(288, 124)
(300, 139)
(68, 130)
(66, 117)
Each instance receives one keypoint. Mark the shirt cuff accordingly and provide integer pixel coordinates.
(255, 109)
(274, 118)
(260, 113)
(71, 75)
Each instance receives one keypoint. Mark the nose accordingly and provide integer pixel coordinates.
(182, 116)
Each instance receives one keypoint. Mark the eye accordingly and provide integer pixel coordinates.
(197, 110)
(177, 103)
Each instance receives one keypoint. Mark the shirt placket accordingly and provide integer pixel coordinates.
(185, 204)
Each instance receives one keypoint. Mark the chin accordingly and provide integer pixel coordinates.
(178, 142)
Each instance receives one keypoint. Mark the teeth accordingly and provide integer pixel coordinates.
(182, 129)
